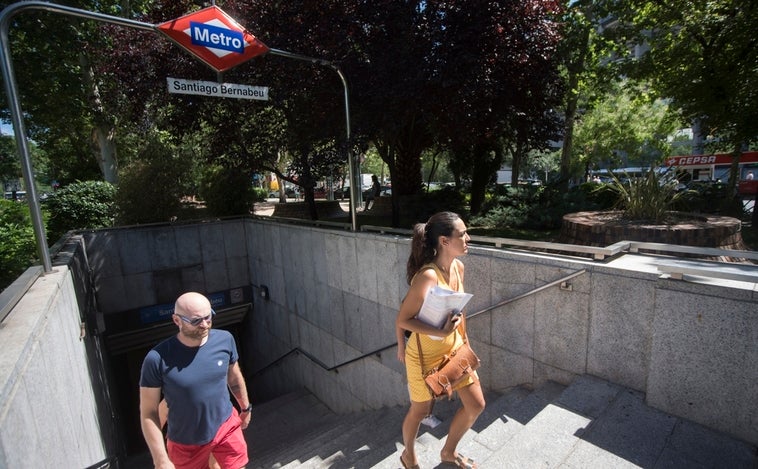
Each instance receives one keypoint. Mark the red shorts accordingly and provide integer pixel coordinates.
(228, 447)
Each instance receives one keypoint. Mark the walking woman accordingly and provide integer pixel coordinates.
(435, 247)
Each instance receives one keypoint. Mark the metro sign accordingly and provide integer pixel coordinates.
(213, 37)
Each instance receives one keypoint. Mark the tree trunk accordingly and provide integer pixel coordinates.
(734, 198)
(310, 200)
(568, 142)
(406, 180)
(479, 178)
(574, 70)
(102, 141)
(487, 160)
(104, 149)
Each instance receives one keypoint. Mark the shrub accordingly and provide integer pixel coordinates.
(81, 205)
(18, 249)
(419, 207)
(227, 192)
(508, 207)
(146, 194)
(150, 189)
(260, 194)
(710, 197)
(645, 198)
(600, 197)
(537, 207)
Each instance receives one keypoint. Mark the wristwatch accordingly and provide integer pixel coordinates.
(247, 409)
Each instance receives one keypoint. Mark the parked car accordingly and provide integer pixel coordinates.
(529, 182)
(289, 193)
(709, 188)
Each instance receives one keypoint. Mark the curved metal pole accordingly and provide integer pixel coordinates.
(9, 79)
(354, 191)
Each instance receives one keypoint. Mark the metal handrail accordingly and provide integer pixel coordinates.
(530, 292)
(311, 357)
(377, 352)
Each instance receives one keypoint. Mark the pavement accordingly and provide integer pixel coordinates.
(266, 208)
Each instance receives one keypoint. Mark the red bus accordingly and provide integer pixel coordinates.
(716, 167)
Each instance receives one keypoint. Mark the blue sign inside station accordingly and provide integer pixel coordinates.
(156, 313)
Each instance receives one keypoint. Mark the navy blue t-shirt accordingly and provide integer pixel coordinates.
(194, 382)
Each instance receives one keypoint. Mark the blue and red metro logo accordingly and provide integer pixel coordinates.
(214, 37)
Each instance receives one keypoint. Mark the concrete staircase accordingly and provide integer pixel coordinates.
(589, 424)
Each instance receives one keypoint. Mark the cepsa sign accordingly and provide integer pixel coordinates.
(214, 37)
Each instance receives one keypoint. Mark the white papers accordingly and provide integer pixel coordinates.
(439, 303)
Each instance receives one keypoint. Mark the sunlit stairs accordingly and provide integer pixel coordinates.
(589, 424)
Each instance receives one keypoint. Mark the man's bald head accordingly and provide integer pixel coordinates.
(192, 304)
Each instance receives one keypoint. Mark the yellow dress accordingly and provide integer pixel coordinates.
(433, 350)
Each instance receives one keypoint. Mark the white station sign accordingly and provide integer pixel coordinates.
(221, 90)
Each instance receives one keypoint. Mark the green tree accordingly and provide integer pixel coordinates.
(81, 205)
(10, 167)
(403, 60)
(18, 249)
(627, 128)
(151, 187)
(586, 71)
(701, 56)
(64, 112)
(496, 84)
(545, 162)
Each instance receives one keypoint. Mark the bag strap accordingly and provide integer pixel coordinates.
(420, 353)
(418, 342)
(463, 323)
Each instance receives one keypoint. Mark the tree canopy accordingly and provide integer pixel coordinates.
(703, 55)
(421, 74)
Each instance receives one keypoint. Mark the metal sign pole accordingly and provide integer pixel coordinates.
(354, 188)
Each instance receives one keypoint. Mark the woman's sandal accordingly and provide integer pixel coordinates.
(402, 461)
(461, 461)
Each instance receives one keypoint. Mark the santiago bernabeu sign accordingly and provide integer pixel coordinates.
(221, 90)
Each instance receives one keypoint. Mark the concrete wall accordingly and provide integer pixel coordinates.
(690, 347)
(150, 265)
(49, 403)
(335, 295)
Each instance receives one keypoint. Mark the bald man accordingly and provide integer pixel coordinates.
(192, 370)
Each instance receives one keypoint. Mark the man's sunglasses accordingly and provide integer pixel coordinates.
(196, 321)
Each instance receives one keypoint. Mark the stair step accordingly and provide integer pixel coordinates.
(591, 423)
(312, 443)
(277, 422)
(363, 438)
(349, 439)
(554, 423)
